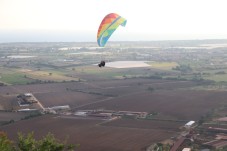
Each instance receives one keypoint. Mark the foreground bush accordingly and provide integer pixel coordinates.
(29, 143)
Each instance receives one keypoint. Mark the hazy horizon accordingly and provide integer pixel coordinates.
(78, 20)
(60, 36)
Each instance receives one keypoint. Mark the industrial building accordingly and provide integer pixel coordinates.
(189, 124)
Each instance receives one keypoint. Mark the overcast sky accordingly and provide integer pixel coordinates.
(78, 20)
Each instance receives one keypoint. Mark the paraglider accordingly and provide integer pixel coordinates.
(108, 25)
(102, 64)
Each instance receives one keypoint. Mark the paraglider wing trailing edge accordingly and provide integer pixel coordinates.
(108, 25)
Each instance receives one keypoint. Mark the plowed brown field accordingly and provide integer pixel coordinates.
(89, 135)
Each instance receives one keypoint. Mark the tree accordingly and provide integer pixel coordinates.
(26, 143)
(5, 143)
(29, 143)
(183, 68)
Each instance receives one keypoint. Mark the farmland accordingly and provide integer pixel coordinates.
(9, 117)
(191, 105)
(174, 107)
(90, 136)
(181, 83)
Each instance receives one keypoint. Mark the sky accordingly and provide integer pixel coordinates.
(78, 20)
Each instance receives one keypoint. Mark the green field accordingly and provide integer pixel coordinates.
(15, 78)
(217, 75)
(51, 75)
(217, 78)
(163, 65)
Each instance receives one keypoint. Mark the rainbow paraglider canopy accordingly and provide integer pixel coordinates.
(108, 25)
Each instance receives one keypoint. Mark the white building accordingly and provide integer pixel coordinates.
(28, 94)
(27, 110)
(64, 107)
(80, 113)
(189, 124)
(186, 149)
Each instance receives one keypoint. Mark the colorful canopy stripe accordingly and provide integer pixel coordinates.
(108, 25)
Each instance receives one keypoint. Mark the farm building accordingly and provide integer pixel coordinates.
(222, 137)
(27, 110)
(64, 107)
(216, 144)
(26, 98)
(27, 94)
(186, 149)
(100, 115)
(217, 130)
(189, 124)
(80, 113)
